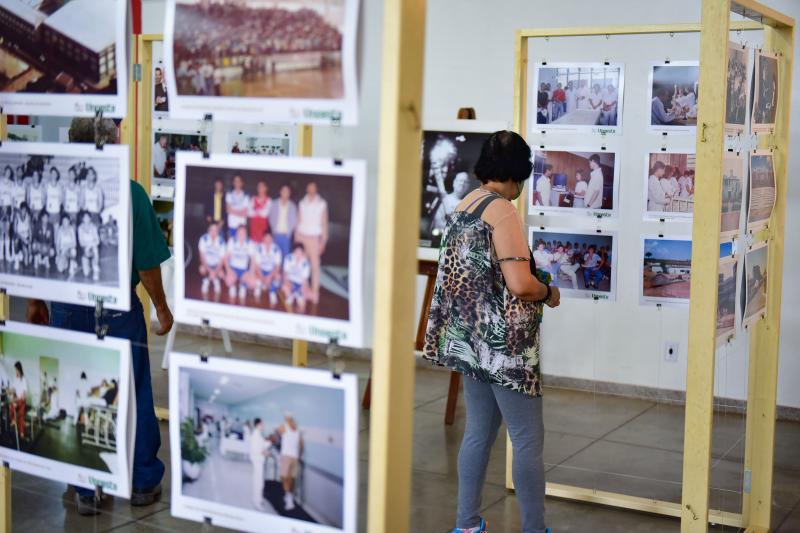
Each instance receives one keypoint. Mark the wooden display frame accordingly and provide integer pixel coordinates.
(694, 510)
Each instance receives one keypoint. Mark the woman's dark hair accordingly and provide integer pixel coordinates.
(504, 156)
(18, 366)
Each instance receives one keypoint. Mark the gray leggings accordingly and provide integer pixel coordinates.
(487, 406)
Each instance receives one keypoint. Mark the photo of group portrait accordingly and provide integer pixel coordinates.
(578, 95)
(755, 283)
(264, 61)
(165, 146)
(64, 400)
(253, 143)
(733, 180)
(670, 185)
(761, 193)
(64, 220)
(674, 89)
(568, 180)
(262, 447)
(765, 92)
(726, 299)
(270, 235)
(581, 264)
(666, 270)
(60, 58)
(738, 87)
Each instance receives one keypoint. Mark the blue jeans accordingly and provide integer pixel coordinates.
(592, 275)
(284, 242)
(148, 470)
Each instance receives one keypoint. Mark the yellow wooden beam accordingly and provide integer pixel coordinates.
(766, 15)
(642, 29)
(304, 149)
(715, 19)
(399, 185)
(5, 472)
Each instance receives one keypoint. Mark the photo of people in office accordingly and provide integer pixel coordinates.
(248, 143)
(266, 446)
(738, 85)
(761, 197)
(673, 95)
(755, 282)
(670, 185)
(667, 270)
(570, 95)
(565, 180)
(726, 299)
(165, 145)
(448, 162)
(765, 95)
(582, 265)
(733, 176)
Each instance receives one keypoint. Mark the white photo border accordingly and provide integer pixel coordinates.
(663, 215)
(747, 321)
(653, 300)
(759, 225)
(663, 129)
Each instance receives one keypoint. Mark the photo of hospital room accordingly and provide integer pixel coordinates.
(572, 179)
(579, 95)
(263, 445)
(59, 400)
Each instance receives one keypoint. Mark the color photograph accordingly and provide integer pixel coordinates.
(581, 264)
(260, 144)
(262, 447)
(573, 180)
(765, 95)
(61, 57)
(64, 218)
(24, 133)
(761, 194)
(726, 300)
(167, 143)
(755, 283)
(670, 185)
(733, 179)
(673, 95)
(738, 87)
(578, 96)
(271, 245)
(64, 406)
(257, 61)
(666, 270)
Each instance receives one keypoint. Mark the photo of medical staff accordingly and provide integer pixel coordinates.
(670, 184)
(738, 85)
(247, 143)
(567, 179)
(726, 299)
(673, 95)
(579, 95)
(448, 162)
(733, 179)
(580, 264)
(666, 270)
(765, 95)
(265, 446)
(761, 197)
(268, 240)
(165, 145)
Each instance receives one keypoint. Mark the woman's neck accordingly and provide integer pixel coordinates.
(506, 189)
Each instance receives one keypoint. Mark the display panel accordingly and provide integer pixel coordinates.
(669, 187)
(738, 87)
(765, 92)
(761, 190)
(65, 222)
(263, 447)
(755, 282)
(64, 58)
(733, 179)
(666, 271)
(271, 245)
(673, 96)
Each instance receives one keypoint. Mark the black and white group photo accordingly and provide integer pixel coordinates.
(765, 95)
(738, 87)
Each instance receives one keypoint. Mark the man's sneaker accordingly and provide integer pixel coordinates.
(141, 497)
(480, 529)
(87, 505)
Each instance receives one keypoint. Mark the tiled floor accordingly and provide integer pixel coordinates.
(624, 445)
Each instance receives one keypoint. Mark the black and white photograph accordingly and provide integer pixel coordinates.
(669, 188)
(579, 97)
(738, 87)
(666, 271)
(733, 180)
(24, 133)
(272, 245)
(256, 61)
(726, 299)
(582, 264)
(755, 283)
(761, 192)
(574, 181)
(260, 144)
(765, 92)
(63, 58)
(64, 222)
(262, 447)
(674, 88)
(64, 413)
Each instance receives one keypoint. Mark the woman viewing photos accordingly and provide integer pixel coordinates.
(484, 322)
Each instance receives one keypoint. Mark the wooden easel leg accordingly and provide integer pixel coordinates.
(5, 499)
(366, 401)
(452, 398)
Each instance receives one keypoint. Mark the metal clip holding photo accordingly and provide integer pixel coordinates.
(100, 329)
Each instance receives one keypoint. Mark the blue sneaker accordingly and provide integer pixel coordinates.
(480, 529)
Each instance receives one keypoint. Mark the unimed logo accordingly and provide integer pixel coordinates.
(107, 298)
(93, 108)
(316, 114)
(105, 485)
(336, 335)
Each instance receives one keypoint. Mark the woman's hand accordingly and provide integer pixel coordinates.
(555, 297)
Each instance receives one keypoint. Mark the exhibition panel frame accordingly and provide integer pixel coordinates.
(694, 510)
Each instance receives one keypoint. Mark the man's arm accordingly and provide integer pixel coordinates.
(151, 279)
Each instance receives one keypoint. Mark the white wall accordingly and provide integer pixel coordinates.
(469, 61)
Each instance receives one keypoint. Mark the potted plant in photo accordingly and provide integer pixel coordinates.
(192, 453)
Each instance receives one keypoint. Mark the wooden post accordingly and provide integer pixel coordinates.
(5, 471)
(304, 149)
(399, 185)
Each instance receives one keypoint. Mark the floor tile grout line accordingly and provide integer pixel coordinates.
(786, 518)
(126, 524)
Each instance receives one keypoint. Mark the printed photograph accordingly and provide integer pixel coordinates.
(269, 234)
(738, 85)
(160, 98)
(246, 143)
(755, 272)
(761, 197)
(733, 179)
(765, 95)
(673, 95)
(568, 179)
(448, 163)
(24, 133)
(64, 400)
(666, 270)
(59, 57)
(63, 219)
(573, 94)
(167, 143)
(582, 265)
(670, 185)
(726, 299)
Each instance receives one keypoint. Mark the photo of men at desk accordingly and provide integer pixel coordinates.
(59, 400)
(674, 95)
(579, 95)
(571, 179)
(263, 445)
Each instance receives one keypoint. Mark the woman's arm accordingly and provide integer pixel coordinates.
(513, 253)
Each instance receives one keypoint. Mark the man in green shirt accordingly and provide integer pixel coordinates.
(149, 251)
